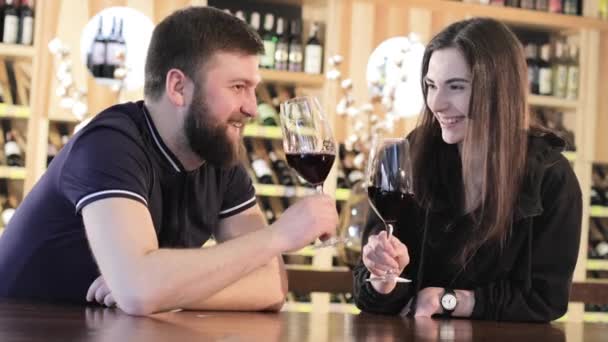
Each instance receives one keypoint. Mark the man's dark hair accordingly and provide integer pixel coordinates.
(187, 38)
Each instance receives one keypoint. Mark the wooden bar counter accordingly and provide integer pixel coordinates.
(31, 321)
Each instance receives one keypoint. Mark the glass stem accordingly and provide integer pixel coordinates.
(319, 188)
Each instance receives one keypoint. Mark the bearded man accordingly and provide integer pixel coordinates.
(122, 211)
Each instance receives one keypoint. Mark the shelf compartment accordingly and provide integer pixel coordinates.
(598, 211)
(12, 172)
(553, 102)
(300, 79)
(11, 111)
(16, 50)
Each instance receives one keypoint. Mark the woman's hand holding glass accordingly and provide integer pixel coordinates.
(385, 255)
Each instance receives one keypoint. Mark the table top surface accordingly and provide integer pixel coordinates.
(30, 321)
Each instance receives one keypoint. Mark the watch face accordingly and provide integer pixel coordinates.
(448, 301)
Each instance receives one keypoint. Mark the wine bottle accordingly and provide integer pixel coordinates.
(295, 47)
(512, 3)
(11, 23)
(12, 151)
(281, 54)
(533, 68)
(110, 58)
(270, 42)
(279, 166)
(545, 86)
(313, 53)
(98, 51)
(573, 73)
(527, 4)
(260, 166)
(570, 7)
(254, 21)
(555, 6)
(267, 209)
(560, 71)
(542, 5)
(9, 203)
(26, 23)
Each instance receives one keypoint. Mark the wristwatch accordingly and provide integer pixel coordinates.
(448, 301)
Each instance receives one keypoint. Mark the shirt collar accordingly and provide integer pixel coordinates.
(165, 151)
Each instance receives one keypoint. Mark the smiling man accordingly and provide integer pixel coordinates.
(121, 213)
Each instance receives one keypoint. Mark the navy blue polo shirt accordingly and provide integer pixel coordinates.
(44, 252)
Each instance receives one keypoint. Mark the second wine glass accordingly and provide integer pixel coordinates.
(389, 185)
(309, 144)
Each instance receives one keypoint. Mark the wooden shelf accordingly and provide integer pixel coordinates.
(597, 317)
(268, 132)
(553, 102)
(272, 190)
(515, 16)
(12, 172)
(292, 78)
(342, 194)
(598, 211)
(10, 111)
(597, 265)
(16, 50)
(63, 116)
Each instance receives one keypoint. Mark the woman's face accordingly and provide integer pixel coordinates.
(448, 82)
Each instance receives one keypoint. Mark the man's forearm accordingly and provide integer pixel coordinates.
(263, 289)
(166, 279)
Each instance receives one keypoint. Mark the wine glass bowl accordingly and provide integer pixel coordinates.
(308, 141)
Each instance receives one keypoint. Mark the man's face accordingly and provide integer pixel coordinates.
(221, 104)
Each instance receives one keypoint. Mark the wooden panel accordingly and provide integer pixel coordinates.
(45, 30)
(601, 133)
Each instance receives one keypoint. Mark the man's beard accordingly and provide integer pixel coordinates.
(208, 139)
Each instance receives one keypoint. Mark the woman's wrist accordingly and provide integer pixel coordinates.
(466, 303)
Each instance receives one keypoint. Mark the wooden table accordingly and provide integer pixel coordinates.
(28, 321)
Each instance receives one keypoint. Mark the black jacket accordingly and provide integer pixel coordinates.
(530, 280)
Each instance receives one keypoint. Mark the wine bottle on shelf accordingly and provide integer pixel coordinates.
(560, 71)
(115, 49)
(11, 23)
(267, 209)
(512, 3)
(533, 68)
(527, 4)
(313, 53)
(278, 165)
(573, 73)
(270, 42)
(545, 86)
(281, 54)
(8, 202)
(260, 166)
(26, 23)
(98, 51)
(12, 151)
(110, 58)
(267, 114)
(254, 21)
(542, 5)
(555, 6)
(295, 47)
(570, 7)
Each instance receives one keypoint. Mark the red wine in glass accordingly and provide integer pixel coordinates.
(389, 203)
(312, 166)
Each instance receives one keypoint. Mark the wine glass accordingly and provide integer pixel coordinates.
(389, 185)
(309, 144)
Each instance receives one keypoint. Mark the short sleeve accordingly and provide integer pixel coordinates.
(104, 162)
(239, 192)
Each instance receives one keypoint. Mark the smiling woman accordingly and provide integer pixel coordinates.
(491, 194)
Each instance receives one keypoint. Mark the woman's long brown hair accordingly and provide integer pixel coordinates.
(496, 135)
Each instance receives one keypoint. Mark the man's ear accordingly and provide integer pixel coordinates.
(175, 87)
